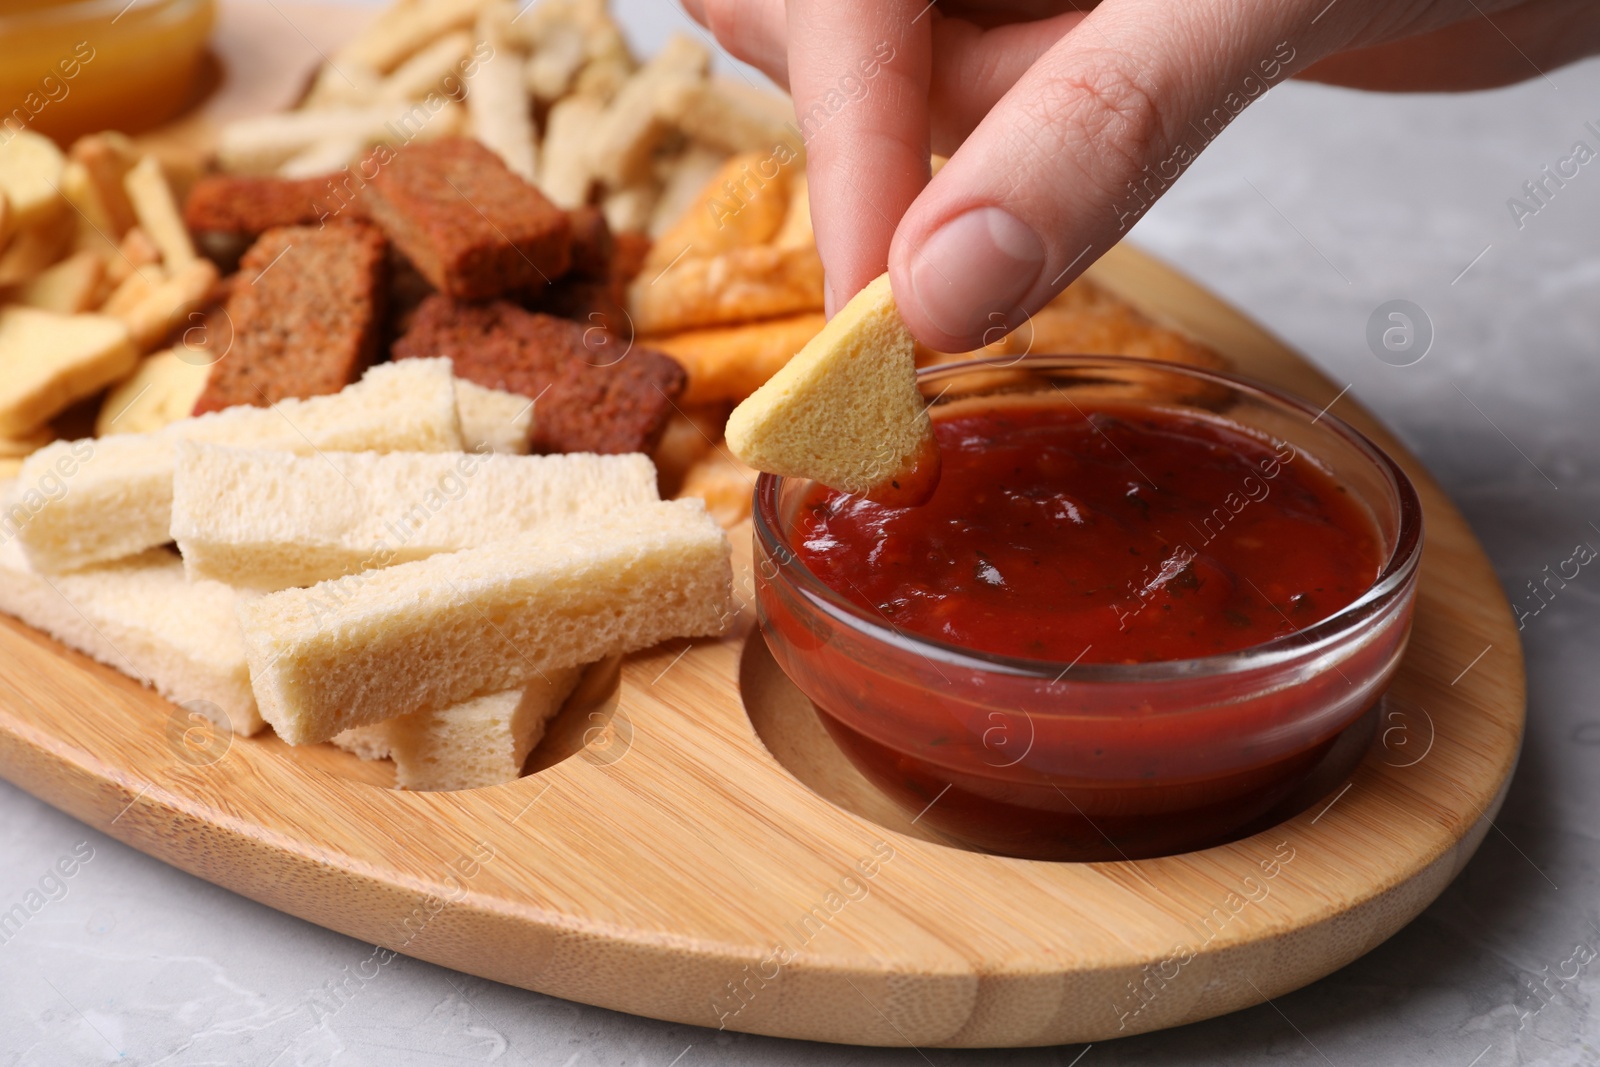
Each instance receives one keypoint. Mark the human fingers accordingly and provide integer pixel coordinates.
(755, 31)
(975, 65)
(1482, 50)
(859, 74)
(1080, 147)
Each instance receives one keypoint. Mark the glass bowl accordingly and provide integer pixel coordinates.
(1061, 761)
(73, 67)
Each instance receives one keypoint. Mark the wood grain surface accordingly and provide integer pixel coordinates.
(658, 867)
(660, 855)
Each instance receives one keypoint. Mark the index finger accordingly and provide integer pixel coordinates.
(859, 74)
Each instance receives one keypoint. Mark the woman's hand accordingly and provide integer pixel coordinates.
(1063, 127)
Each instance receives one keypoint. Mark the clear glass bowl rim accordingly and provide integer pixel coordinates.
(1391, 582)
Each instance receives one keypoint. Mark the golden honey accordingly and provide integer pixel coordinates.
(76, 66)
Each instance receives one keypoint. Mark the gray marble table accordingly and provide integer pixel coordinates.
(1314, 209)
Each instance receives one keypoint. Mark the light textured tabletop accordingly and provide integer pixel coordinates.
(1314, 209)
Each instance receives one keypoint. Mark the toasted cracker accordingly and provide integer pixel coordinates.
(736, 286)
(731, 362)
(726, 485)
(743, 204)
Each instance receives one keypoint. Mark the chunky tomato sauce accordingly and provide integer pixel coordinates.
(1124, 535)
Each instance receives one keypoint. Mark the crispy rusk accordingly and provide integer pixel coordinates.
(635, 121)
(158, 214)
(69, 287)
(135, 253)
(167, 304)
(628, 209)
(26, 445)
(681, 178)
(735, 116)
(348, 84)
(322, 158)
(261, 144)
(30, 177)
(49, 361)
(430, 70)
(845, 411)
(551, 70)
(403, 29)
(36, 247)
(95, 232)
(160, 392)
(690, 433)
(728, 363)
(106, 159)
(497, 103)
(564, 174)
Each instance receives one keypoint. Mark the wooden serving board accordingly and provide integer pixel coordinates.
(687, 815)
(656, 869)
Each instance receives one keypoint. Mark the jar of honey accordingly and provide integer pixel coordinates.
(76, 66)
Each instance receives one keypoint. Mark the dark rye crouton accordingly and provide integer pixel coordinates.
(594, 393)
(592, 244)
(594, 291)
(305, 311)
(473, 228)
(240, 206)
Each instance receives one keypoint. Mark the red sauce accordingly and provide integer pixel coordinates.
(1125, 535)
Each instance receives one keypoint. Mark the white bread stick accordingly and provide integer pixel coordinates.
(267, 520)
(141, 616)
(493, 419)
(482, 742)
(119, 496)
(428, 635)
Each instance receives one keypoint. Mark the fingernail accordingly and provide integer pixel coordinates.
(972, 274)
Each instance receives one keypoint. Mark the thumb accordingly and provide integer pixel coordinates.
(1079, 149)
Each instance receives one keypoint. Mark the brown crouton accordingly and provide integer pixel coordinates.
(473, 228)
(594, 391)
(305, 312)
(224, 204)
